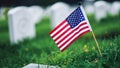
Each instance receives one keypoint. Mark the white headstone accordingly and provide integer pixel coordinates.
(90, 9)
(115, 8)
(33, 65)
(101, 9)
(59, 11)
(20, 24)
(37, 13)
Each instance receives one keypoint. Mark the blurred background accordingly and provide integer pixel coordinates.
(39, 2)
(25, 27)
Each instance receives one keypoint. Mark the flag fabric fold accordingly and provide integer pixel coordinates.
(69, 30)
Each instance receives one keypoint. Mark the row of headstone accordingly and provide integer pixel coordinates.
(22, 22)
(101, 8)
(22, 19)
(59, 11)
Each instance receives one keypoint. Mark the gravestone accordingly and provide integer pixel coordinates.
(33, 65)
(89, 8)
(59, 12)
(20, 24)
(101, 9)
(115, 8)
(36, 12)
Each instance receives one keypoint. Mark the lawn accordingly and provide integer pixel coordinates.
(81, 54)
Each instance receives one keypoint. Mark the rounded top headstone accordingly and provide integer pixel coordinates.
(100, 3)
(101, 9)
(115, 8)
(116, 5)
(59, 5)
(36, 12)
(36, 8)
(58, 12)
(14, 10)
(20, 24)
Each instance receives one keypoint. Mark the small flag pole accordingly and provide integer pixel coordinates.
(96, 43)
(79, 3)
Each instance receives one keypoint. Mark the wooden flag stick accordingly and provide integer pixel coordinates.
(96, 43)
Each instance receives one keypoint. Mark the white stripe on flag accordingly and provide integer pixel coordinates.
(61, 32)
(58, 29)
(65, 45)
(68, 37)
(68, 32)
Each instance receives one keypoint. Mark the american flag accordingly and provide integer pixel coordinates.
(74, 26)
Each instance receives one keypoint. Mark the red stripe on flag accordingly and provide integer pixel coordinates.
(75, 39)
(62, 34)
(71, 32)
(59, 30)
(68, 30)
(57, 26)
(73, 35)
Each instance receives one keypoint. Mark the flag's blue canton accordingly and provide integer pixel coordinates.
(75, 18)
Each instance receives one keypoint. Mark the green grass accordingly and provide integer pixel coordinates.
(81, 54)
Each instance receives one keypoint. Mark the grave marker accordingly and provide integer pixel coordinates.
(59, 12)
(20, 24)
(101, 9)
(33, 65)
(37, 13)
(115, 8)
(89, 8)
